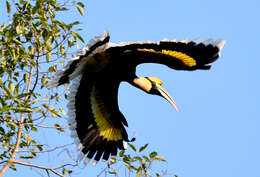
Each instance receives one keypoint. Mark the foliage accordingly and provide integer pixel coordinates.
(31, 45)
(137, 162)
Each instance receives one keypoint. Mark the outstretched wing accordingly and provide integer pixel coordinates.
(93, 109)
(179, 55)
(176, 54)
(95, 117)
(76, 65)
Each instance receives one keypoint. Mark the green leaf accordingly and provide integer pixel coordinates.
(3, 102)
(7, 91)
(8, 7)
(27, 157)
(159, 158)
(76, 35)
(113, 160)
(81, 4)
(48, 43)
(64, 171)
(46, 106)
(48, 56)
(4, 109)
(122, 153)
(58, 127)
(19, 29)
(21, 109)
(61, 62)
(16, 109)
(62, 111)
(25, 78)
(127, 159)
(12, 125)
(22, 95)
(62, 50)
(143, 148)
(153, 154)
(80, 9)
(139, 172)
(63, 9)
(11, 87)
(54, 112)
(3, 26)
(43, 80)
(27, 3)
(146, 158)
(129, 168)
(29, 140)
(34, 129)
(132, 146)
(77, 42)
(158, 175)
(138, 158)
(52, 69)
(39, 146)
(18, 101)
(10, 164)
(33, 153)
(80, 38)
(2, 131)
(70, 42)
(75, 23)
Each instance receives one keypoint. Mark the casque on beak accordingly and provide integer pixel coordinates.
(152, 85)
(165, 94)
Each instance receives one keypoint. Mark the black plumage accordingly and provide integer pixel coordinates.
(97, 71)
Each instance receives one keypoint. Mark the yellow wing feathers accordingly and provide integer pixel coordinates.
(102, 118)
(187, 60)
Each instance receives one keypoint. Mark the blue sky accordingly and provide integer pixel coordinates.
(216, 132)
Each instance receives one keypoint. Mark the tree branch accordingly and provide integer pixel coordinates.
(38, 166)
(20, 127)
(37, 71)
(48, 150)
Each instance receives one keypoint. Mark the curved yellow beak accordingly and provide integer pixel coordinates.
(166, 95)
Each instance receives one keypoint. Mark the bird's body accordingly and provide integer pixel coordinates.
(99, 69)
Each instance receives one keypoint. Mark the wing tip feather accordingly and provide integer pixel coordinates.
(86, 161)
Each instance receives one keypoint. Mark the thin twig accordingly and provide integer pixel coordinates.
(38, 166)
(47, 173)
(68, 164)
(48, 150)
(44, 126)
(102, 171)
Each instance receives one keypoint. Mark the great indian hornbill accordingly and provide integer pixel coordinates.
(97, 71)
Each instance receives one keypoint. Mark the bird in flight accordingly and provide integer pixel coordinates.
(96, 72)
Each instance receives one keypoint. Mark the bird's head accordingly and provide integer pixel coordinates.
(153, 85)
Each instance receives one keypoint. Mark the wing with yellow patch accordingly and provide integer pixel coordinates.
(99, 124)
(97, 71)
(179, 55)
(102, 115)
